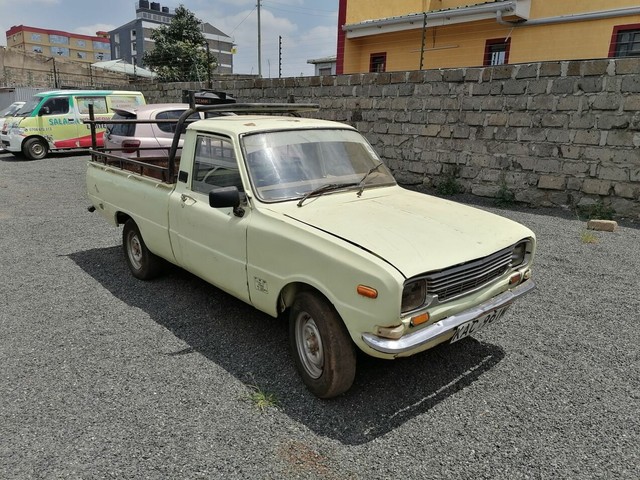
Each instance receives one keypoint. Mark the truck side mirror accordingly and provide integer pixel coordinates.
(225, 197)
(44, 111)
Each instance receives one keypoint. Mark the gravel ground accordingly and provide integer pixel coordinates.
(105, 376)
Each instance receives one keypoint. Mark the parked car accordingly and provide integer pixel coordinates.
(8, 112)
(145, 139)
(54, 120)
(300, 217)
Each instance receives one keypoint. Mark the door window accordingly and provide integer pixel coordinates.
(215, 165)
(55, 106)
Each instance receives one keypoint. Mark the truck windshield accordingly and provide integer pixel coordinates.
(287, 165)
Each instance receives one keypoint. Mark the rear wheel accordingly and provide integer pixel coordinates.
(142, 263)
(35, 148)
(324, 354)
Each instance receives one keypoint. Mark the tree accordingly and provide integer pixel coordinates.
(179, 54)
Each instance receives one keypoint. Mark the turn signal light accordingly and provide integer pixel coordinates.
(368, 292)
(419, 319)
(393, 333)
(515, 279)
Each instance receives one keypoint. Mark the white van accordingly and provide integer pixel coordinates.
(53, 120)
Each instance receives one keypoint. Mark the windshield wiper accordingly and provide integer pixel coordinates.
(366, 175)
(328, 187)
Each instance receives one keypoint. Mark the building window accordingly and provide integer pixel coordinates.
(117, 51)
(37, 49)
(116, 38)
(134, 51)
(59, 39)
(324, 71)
(36, 37)
(496, 51)
(81, 55)
(378, 62)
(625, 41)
(60, 51)
(81, 43)
(101, 45)
(133, 34)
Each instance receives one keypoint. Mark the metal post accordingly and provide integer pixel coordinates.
(424, 29)
(208, 66)
(94, 143)
(279, 56)
(259, 43)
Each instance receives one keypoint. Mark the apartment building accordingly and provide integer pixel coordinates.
(131, 40)
(378, 35)
(57, 43)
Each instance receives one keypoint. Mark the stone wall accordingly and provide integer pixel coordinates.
(25, 69)
(546, 134)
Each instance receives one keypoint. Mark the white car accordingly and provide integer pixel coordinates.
(8, 112)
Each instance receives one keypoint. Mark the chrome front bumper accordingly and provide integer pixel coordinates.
(446, 325)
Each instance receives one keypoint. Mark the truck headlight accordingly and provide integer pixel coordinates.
(521, 253)
(413, 295)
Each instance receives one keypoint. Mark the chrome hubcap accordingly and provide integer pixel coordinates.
(309, 345)
(135, 252)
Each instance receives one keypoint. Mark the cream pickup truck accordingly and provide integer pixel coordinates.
(301, 219)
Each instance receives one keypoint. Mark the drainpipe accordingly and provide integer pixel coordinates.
(576, 17)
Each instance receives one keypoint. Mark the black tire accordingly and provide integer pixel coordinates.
(321, 346)
(35, 148)
(142, 263)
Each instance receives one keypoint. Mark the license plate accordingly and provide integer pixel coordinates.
(476, 324)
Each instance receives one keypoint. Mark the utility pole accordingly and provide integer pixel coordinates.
(259, 43)
(55, 72)
(209, 84)
(279, 56)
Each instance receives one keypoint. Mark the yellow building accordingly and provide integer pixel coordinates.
(56, 43)
(379, 35)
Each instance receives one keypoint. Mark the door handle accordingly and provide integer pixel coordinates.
(186, 199)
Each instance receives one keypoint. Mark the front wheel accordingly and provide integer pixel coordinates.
(142, 263)
(322, 348)
(35, 148)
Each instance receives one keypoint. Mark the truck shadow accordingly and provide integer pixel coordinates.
(254, 348)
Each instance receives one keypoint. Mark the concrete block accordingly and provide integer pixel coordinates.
(626, 190)
(563, 85)
(595, 67)
(570, 103)
(587, 137)
(527, 71)
(602, 225)
(551, 182)
(608, 121)
(514, 87)
(590, 84)
(613, 173)
(626, 66)
(630, 84)
(606, 102)
(593, 186)
(550, 69)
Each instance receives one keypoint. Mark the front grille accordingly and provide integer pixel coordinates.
(461, 279)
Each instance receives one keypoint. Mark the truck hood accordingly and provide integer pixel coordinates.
(413, 232)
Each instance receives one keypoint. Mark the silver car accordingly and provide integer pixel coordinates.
(145, 139)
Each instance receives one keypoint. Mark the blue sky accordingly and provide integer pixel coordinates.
(308, 28)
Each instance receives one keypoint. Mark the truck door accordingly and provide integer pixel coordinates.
(210, 242)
